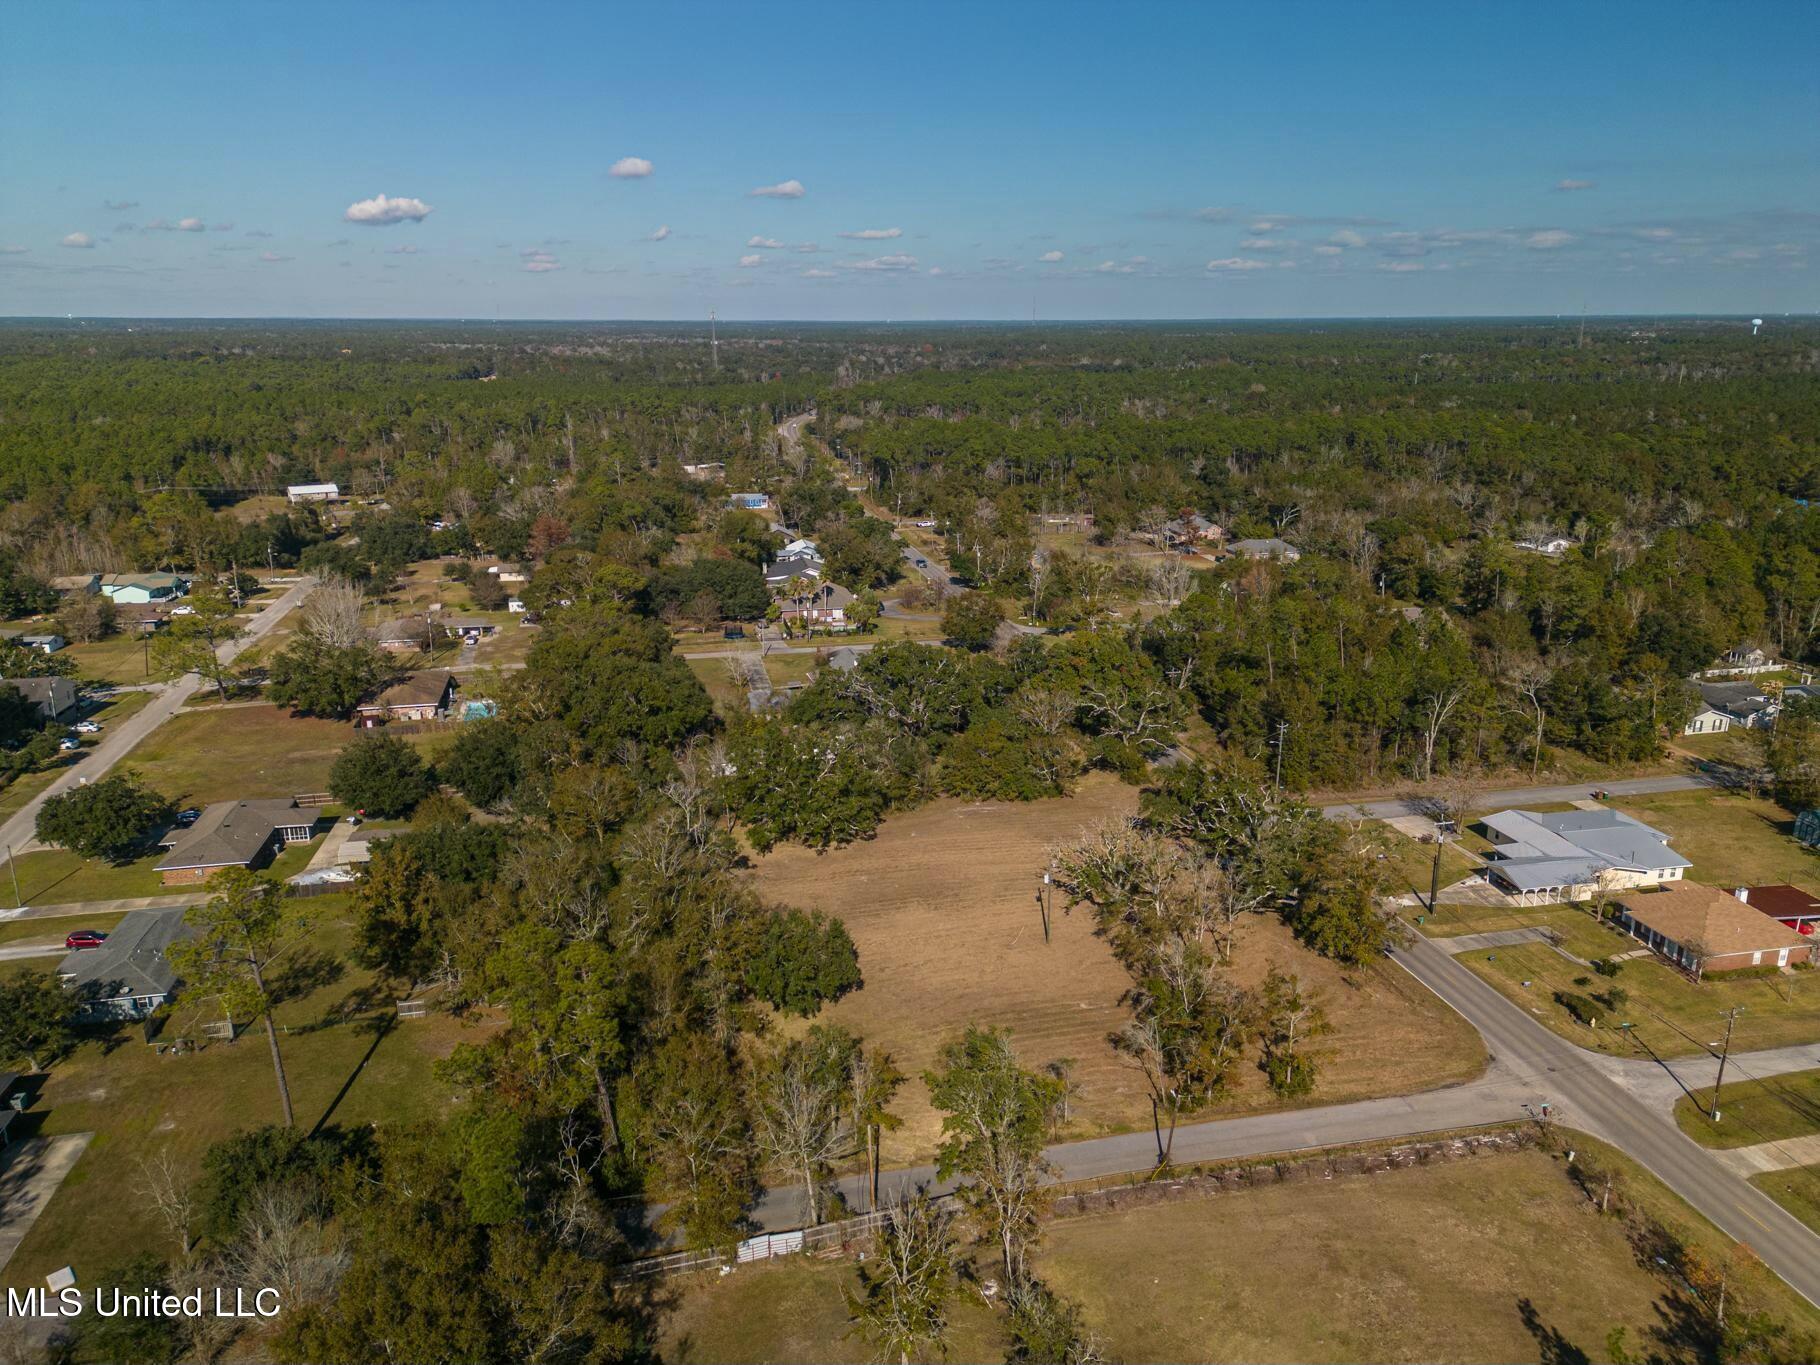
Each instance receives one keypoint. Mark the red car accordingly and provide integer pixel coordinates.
(85, 938)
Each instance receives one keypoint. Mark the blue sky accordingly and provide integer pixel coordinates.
(981, 160)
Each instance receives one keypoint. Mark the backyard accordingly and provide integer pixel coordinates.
(239, 752)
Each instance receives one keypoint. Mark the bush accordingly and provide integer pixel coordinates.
(379, 775)
(804, 960)
(483, 764)
(1585, 1010)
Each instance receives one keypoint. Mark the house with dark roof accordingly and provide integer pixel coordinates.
(1702, 929)
(421, 696)
(232, 834)
(134, 589)
(1789, 906)
(1545, 856)
(55, 698)
(128, 976)
(805, 564)
(1722, 705)
(408, 634)
(1267, 548)
(822, 607)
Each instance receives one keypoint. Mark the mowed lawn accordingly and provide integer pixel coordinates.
(1670, 1014)
(1732, 840)
(238, 752)
(1797, 1190)
(1750, 1112)
(1426, 1263)
(347, 1055)
(942, 905)
(58, 877)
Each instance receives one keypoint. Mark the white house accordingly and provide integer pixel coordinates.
(1545, 856)
(1269, 548)
(1744, 659)
(1707, 720)
(137, 589)
(313, 492)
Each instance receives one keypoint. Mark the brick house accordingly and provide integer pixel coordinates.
(421, 696)
(233, 834)
(1703, 929)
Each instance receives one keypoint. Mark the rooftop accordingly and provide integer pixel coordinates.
(131, 962)
(427, 688)
(230, 833)
(1781, 901)
(1538, 849)
(1707, 921)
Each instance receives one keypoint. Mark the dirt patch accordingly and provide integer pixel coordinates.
(942, 905)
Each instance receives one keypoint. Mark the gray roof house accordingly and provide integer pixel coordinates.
(1746, 703)
(127, 977)
(803, 564)
(232, 834)
(1562, 855)
(54, 697)
(1269, 548)
(844, 660)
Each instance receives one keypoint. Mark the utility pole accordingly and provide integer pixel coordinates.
(1731, 1018)
(1282, 729)
(1434, 875)
(1043, 898)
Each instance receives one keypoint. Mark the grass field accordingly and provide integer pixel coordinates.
(1754, 1111)
(1797, 1190)
(1426, 1263)
(1671, 1015)
(1731, 840)
(239, 752)
(942, 905)
(346, 1054)
(56, 876)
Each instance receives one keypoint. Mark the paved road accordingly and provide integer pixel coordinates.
(19, 832)
(1573, 791)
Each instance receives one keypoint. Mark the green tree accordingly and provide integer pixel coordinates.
(971, 619)
(483, 763)
(380, 775)
(1289, 1017)
(192, 643)
(700, 1139)
(315, 678)
(239, 930)
(992, 1138)
(37, 1017)
(801, 1110)
(396, 913)
(110, 818)
(803, 960)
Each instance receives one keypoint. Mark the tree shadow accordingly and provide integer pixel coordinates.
(304, 972)
(1552, 1347)
(381, 1026)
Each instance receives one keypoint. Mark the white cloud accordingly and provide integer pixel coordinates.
(1237, 263)
(1347, 237)
(885, 263)
(747, 262)
(1114, 268)
(406, 250)
(192, 225)
(80, 240)
(1328, 251)
(874, 234)
(770, 243)
(1548, 239)
(807, 247)
(538, 261)
(272, 257)
(630, 168)
(816, 273)
(1401, 267)
(380, 211)
(1262, 244)
(660, 233)
(1570, 185)
(937, 270)
(13, 249)
(1050, 256)
(784, 189)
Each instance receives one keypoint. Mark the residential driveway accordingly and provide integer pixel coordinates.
(24, 952)
(30, 1173)
(19, 832)
(1766, 1157)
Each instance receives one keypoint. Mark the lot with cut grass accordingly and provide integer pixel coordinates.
(57, 876)
(1754, 1111)
(942, 905)
(1493, 1258)
(348, 1057)
(1796, 1189)
(1732, 840)
(239, 752)
(1671, 1015)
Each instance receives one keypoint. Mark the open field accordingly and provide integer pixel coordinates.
(1426, 1263)
(238, 752)
(1796, 1189)
(1754, 1111)
(1672, 1015)
(942, 905)
(348, 1058)
(1731, 840)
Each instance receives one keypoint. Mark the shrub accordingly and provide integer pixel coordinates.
(380, 775)
(1583, 1009)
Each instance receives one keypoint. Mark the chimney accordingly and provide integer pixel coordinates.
(1743, 894)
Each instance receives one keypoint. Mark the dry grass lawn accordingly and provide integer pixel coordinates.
(942, 905)
(239, 752)
(1731, 840)
(1426, 1263)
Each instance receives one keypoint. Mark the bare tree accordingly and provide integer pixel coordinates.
(800, 1112)
(1529, 680)
(1170, 579)
(168, 1193)
(901, 1305)
(1437, 709)
(331, 613)
(283, 1245)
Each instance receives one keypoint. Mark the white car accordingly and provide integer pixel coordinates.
(183, 611)
(86, 727)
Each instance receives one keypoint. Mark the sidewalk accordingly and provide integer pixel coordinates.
(79, 909)
(1772, 1156)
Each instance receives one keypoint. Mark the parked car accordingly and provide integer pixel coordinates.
(184, 610)
(68, 744)
(84, 938)
(86, 727)
(186, 818)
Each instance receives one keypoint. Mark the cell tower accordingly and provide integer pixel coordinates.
(714, 340)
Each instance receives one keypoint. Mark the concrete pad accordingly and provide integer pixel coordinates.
(30, 1173)
(1773, 1156)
